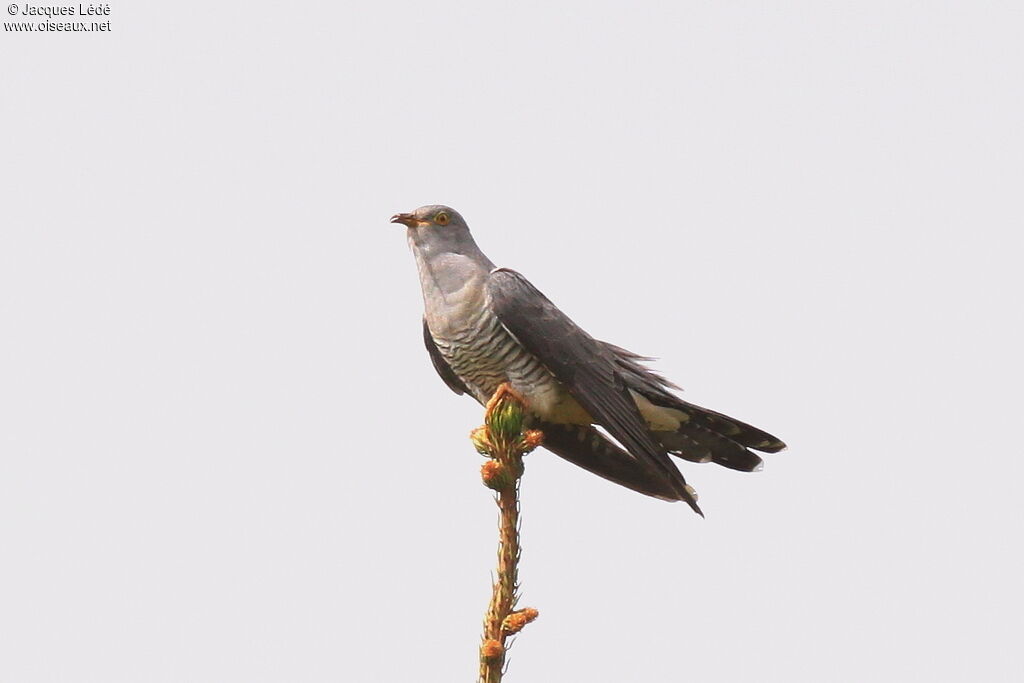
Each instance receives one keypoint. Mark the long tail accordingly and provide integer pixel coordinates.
(703, 435)
(707, 436)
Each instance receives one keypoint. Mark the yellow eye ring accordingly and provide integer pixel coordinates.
(442, 218)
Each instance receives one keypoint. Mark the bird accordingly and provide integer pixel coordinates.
(598, 405)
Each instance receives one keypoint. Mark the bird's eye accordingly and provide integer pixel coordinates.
(442, 218)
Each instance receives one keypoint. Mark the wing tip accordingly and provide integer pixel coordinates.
(690, 498)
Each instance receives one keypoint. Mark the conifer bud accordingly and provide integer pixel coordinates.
(491, 650)
(515, 622)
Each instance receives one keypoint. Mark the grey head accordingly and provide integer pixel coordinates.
(447, 257)
(437, 229)
(440, 239)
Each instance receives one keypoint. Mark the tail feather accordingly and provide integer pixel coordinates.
(731, 428)
(697, 443)
(657, 390)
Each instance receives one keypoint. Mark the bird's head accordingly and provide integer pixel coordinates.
(433, 217)
(436, 227)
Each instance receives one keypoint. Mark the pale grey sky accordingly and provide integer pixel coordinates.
(224, 455)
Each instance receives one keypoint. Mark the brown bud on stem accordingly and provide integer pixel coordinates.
(491, 650)
(481, 438)
(515, 622)
(531, 439)
(496, 475)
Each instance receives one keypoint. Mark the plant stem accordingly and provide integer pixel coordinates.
(505, 441)
(503, 595)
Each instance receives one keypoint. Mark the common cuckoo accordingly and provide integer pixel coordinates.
(484, 326)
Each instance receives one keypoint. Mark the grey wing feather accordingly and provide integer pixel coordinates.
(440, 364)
(586, 368)
(633, 364)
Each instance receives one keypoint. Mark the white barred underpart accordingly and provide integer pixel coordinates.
(483, 354)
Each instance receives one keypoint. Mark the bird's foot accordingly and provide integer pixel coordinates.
(506, 390)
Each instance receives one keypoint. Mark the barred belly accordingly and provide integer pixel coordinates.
(484, 355)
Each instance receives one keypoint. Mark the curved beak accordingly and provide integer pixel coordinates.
(406, 219)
